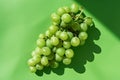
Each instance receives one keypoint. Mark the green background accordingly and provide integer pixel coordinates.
(21, 21)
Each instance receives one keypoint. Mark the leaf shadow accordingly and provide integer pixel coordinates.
(82, 55)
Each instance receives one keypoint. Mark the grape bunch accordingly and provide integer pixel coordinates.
(68, 29)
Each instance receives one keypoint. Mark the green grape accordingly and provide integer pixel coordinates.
(82, 42)
(75, 26)
(53, 29)
(69, 53)
(74, 8)
(83, 35)
(55, 23)
(40, 43)
(36, 59)
(48, 43)
(51, 56)
(55, 18)
(54, 64)
(63, 24)
(83, 27)
(88, 21)
(63, 35)
(44, 61)
(58, 57)
(54, 49)
(60, 44)
(58, 34)
(46, 51)
(39, 67)
(60, 51)
(41, 36)
(54, 41)
(66, 44)
(33, 69)
(66, 18)
(33, 53)
(70, 35)
(31, 62)
(38, 51)
(67, 9)
(48, 64)
(48, 33)
(61, 11)
(75, 41)
(66, 61)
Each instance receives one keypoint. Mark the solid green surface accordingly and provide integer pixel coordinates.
(21, 21)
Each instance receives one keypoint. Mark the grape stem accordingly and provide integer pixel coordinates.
(81, 11)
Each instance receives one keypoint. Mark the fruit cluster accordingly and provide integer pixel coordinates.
(69, 29)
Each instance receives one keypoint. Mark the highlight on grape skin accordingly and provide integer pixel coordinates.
(68, 29)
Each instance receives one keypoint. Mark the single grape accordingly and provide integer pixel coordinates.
(75, 26)
(82, 42)
(88, 21)
(38, 51)
(58, 34)
(31, 62)
(55, 23)
(51, 56)
(39, 67)
(66, 61)
(60, 44)
(63, 35)
(58, 57)
(48, 33)
(55, 18)
(48, 64)
(33, 69)
(75, 41)
(54, 49)
(53, 29)
(54, 41)
(74, 8)
(66, 44)
(48, 43)
(41, 36)
(40, 43)
(44, 61)
(66, 18)
(70, 35)
(36, 59)
(54, 64)
(33, 53)
(83, 27)
(69, 53)
(67, 9)
(46, 51)
(83, 35)
(60, 51)
(61, 11)
(63, 24)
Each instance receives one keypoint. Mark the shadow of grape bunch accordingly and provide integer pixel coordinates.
(82, 55)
